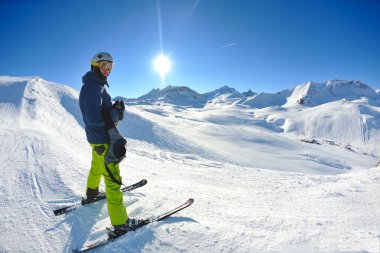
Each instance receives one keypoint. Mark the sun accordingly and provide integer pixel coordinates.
(162, 65)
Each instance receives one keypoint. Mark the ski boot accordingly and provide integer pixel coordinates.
(93, 195)
(130, 225)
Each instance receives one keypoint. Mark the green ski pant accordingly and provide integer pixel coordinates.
(115, 204)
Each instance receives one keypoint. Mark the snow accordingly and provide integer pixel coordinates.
(257, 187)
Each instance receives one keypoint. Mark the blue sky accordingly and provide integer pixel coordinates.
(263, 45)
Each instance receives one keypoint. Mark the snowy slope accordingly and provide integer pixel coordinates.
(263, 100)
(326, 111)
(41, 143)
(257, 188)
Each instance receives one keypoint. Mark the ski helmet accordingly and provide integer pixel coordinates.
(99, 57)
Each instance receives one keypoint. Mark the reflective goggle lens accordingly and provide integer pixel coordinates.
(105, 65)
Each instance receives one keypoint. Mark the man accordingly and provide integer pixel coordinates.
(108, 146)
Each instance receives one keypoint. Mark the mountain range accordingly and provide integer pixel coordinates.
(309, 110)
(308, 94)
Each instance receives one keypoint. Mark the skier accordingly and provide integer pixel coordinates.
(108, 146)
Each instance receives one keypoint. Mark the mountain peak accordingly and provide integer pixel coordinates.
(224, 90)
(249, 93)
(178, 95)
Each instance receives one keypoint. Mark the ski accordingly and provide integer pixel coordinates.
(110, 238)
(72, 207)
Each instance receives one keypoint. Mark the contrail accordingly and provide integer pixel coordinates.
(230, 45)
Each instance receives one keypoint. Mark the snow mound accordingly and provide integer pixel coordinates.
(37, 101)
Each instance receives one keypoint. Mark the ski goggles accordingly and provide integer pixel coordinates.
(106, 65)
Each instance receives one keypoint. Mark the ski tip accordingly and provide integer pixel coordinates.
(190, 201)
(144, 181)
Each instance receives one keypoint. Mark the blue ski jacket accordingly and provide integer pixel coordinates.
(93, 98)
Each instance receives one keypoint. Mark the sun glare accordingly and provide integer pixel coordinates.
(162, 65)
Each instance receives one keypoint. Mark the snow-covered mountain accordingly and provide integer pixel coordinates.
(310, 110)
(225, 90)
(257, 186)
(308, 94)
(314, 94)
(179, 95)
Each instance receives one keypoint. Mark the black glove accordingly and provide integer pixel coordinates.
(119, 106)
(107, 119)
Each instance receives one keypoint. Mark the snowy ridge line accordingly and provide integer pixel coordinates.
(307, 94)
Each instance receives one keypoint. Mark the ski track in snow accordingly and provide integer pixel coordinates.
(256, 188)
